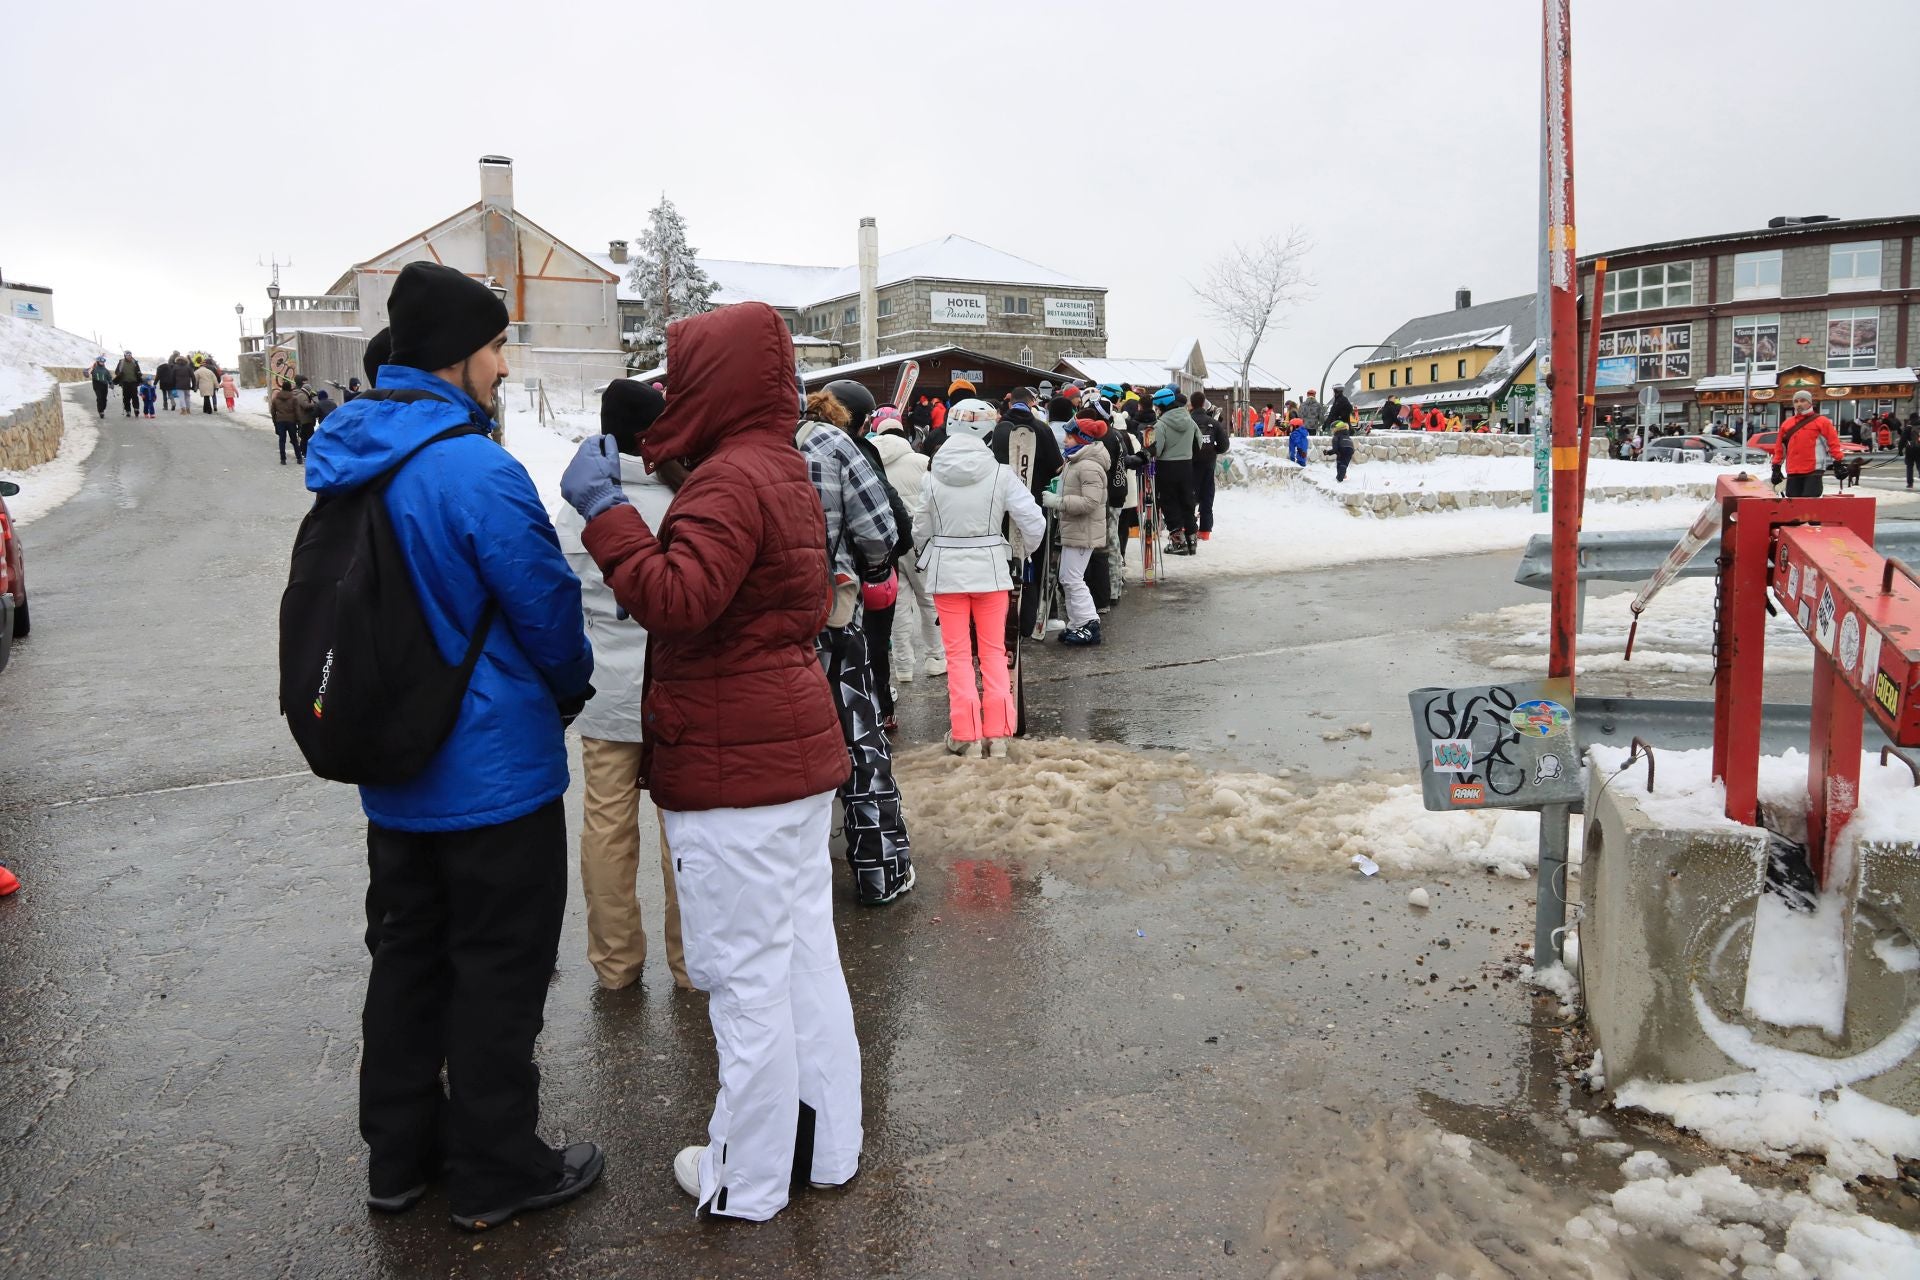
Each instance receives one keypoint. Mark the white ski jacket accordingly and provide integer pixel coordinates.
(967, 496)
(619, 644)
(906, 471)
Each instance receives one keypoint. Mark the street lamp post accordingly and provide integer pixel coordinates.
(240, 314)
(1336, 359)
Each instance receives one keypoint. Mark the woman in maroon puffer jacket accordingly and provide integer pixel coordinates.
(743, 750)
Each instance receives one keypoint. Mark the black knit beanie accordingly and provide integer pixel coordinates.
(627, 408)
(441, 316)
(379, 352)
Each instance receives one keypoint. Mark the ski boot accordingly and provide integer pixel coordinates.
(1088, 634)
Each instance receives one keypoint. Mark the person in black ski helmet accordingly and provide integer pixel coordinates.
(856, 400)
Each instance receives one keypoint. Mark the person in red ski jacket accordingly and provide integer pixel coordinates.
(742, 749)
(1806, 444)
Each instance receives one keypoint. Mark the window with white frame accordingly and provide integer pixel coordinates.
(1669, 284)
(1756, 338)
(1853, 338)
(1853, 267)
(1012, 306)
(850, 315)
(1756, 275)
(886, 308)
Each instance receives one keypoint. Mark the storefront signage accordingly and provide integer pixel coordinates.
(1069, 313)
(1618, 371)
(975, 376)
(959, 308)
(24, 310)
(1660, 351)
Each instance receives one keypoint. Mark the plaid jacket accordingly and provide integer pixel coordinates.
(860, 528)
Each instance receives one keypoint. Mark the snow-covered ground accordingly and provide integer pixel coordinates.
(27, 346)
(545, 450)
(1473, 474)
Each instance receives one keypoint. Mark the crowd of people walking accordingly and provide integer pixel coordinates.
(173, 385)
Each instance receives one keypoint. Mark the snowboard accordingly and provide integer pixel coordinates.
(1046, 570)
(1021, 449)
(1149, 516)
(903, 389)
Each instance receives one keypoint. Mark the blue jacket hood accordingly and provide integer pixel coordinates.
(365, 436)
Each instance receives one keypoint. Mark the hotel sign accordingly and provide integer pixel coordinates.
(959, 308)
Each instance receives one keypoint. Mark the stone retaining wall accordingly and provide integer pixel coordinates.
(66, 373)
(30, 435)
(1416, 446)
(1409, 502)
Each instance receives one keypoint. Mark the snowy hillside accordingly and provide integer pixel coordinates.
(25, 348)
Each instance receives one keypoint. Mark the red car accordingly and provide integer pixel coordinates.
(13, 578)
(1767, 439)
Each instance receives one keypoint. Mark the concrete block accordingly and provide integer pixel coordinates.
(1665, 943)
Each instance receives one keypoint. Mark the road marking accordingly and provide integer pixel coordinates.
(158, 791)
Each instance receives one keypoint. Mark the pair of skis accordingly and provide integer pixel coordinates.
(1149, 518)
(1021, 450)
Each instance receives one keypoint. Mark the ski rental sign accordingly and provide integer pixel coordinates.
(1497, 746)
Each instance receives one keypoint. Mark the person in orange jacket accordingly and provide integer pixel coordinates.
(1806, 444)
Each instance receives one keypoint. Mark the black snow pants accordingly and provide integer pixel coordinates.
(1342, 459)
(876, 832)
(1204, 477)
(879, 638)
(464, 929)
(1810, 485)
(1173, 487)
(128, 399)
(100, 396)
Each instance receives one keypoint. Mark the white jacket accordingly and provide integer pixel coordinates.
(906, 470)
(961, 544)
(619, 644)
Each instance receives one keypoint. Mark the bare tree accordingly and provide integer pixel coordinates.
(1247, 288)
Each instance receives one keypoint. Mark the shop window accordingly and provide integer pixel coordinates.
(1460, 369)
(1853, 338)
(1756, 275)
(1853, 267)
(1758, 338)
(1644, 288)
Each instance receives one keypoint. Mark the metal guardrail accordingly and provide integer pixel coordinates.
(1686, 724)
(1634, 556)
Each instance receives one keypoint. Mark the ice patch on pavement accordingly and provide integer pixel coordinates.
(1075, 803)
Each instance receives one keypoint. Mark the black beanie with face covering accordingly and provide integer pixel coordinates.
(441, 316)
(627, 408)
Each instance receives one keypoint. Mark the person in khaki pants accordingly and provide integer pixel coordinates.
(609, 726)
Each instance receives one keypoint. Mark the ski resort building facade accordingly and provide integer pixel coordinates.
(947, 292)
(1823, 304)
(1477, 361)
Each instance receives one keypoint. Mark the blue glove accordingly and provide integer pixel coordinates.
(591, 482)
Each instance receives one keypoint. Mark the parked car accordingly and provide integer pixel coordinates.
(1732, 455)
(1681, 449)
(1767, 439)
(14, 622)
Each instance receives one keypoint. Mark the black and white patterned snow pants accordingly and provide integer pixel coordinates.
(876, 833)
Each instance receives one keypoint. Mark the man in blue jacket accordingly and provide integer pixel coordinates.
(467, 861)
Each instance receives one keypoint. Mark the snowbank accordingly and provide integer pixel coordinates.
(1072, 803)
(46, 486)
(26, 348)
(1676, 634)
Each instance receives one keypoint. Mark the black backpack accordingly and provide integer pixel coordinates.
(364, 689)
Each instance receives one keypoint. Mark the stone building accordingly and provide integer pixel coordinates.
(947, 292)
(1822, 303)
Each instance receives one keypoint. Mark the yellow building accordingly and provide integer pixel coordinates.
(1473, 360)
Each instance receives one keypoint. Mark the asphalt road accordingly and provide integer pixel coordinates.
(1067, 1074)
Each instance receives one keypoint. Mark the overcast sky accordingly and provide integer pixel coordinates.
(150, 159)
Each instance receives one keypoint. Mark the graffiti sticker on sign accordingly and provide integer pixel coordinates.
(1541, 717)
(1453, 755)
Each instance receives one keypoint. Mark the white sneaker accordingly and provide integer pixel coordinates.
(936, 666)
(686, 1170)
(904, 673)
(998, 747)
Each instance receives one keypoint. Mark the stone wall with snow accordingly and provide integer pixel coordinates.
(30, 434)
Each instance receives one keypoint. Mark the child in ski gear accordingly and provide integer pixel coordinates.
(1297, 442)
(147, 396)
(229, 389)
(611, 816)
(743, 749)
(467, 859)
(862, 536)
(1081, 501)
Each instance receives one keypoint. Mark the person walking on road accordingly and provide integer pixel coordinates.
(101, 378)
(1173, 439)
(163, 383)
(286, 426)
(127, 377)
(229, 389)
(467, 860)
(743, 750)
(1806, 444)
(610, 727)
(183, 382)
(1910, 445)
(306, 416)
(964, 555)
(147, 396)
(1081, 501)
(206, 383)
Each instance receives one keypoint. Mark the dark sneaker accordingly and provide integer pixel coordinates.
(1087, 635)
(400, 1203)
(900, 890)
(580, 1166)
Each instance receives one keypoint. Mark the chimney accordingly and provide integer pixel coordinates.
(1462, 299)
(502, 236)
(617, 250)
(869, 288)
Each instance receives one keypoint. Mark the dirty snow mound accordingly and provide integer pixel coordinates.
(1067, 802)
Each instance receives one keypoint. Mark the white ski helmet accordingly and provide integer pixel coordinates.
(974, 418)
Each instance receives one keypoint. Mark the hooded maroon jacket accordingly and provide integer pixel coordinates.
(733, 588)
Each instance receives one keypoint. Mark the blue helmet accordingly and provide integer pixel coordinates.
(1165, 396)
(1110, 390)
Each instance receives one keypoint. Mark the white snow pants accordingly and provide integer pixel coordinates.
(1073, 585)
(756, 914)
(910, 651)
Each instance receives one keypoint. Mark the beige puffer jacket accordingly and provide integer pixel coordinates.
(1083, 497)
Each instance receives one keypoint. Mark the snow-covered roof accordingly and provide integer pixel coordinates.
(1738, 381)
(1492, 382)
(793, 285)
(1451, 330)
(1870, 377)
(1139, 373)
(881, 362)
(1495, 336)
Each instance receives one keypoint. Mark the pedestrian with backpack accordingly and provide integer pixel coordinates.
(432, 649)
(743, 750)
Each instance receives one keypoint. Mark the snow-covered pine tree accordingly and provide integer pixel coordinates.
(667, 277)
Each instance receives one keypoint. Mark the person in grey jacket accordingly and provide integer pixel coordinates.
(1173, 440)
(861, 534)
(1312, 412)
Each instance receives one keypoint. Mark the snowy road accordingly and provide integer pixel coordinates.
(1109, 1054)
